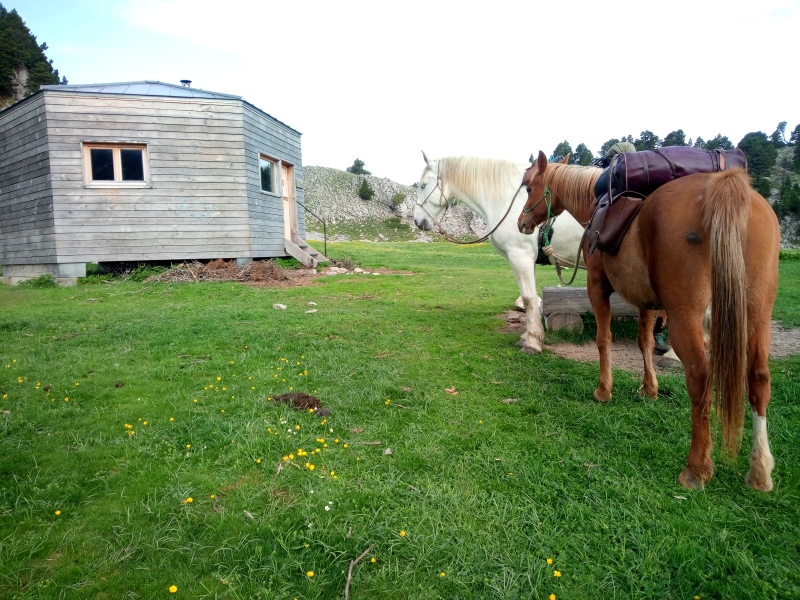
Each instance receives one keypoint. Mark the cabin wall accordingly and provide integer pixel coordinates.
(27, 234)
(196, 203)
(265, 135)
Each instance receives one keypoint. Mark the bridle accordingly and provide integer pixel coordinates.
(548, 195)
(438, 224)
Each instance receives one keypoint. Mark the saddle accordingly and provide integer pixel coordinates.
(622, 188)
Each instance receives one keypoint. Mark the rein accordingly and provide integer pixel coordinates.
(438, 224)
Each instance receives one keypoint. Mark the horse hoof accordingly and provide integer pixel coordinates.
(689, 481)
(602, 396)
(649, 393)
(761, 486)
(529, 350)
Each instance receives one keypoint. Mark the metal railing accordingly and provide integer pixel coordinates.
(324, 228)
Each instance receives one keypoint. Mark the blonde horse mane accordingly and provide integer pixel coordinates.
(483, 179)
(573, 185)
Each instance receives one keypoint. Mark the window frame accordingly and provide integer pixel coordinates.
(118, 182)
(277, 182)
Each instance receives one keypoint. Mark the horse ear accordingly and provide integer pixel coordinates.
(425, 156)
(564, 160)
(541, 162)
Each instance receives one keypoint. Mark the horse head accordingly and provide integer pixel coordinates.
(431, 200)
(541, 204)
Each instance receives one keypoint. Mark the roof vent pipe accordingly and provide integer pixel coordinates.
(186, 82)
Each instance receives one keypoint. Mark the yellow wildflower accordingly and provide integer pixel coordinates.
(188, 445)
(128, 426)
(173, 589)
(58, 512)
(556, 573)
(189, 500)
(373, 559)
(310, 573)
(441, 574)
(552, 597)
(402, 534)
(549, 561)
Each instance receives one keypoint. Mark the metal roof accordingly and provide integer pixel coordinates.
(142, 88)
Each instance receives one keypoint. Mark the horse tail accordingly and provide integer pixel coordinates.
(726, 205)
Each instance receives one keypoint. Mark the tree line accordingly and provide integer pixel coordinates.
(24, 67)
(760, 149)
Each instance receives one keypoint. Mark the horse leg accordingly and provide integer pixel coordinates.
(646, 345)
(686, 335)
(759, 340)
(599, 289)
(524, 270)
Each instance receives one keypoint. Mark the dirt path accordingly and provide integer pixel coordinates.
(625, 354)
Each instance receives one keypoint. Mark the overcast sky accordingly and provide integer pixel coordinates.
(384, 80)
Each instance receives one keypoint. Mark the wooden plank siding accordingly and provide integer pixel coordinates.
(27, 232)
(203, 198)
(195, 204)
(265, 135)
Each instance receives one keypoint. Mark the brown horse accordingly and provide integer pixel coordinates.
(699, 240)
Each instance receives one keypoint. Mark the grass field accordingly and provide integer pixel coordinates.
(139, 449)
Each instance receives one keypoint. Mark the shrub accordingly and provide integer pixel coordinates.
(42, 281)
(398, 199)
(365, 191)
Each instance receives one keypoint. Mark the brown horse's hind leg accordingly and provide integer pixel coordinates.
(686, 334)
(646, 344)
(759, 392)
(599, 290)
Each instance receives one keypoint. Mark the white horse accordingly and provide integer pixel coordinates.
(487, 186)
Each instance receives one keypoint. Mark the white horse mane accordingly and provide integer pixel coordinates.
(486, 179)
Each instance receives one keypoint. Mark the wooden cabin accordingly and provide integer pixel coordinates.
(145, 171)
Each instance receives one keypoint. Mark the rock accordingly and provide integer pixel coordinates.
(279, 306)
(376, 273)
(358, 270)
(311, 312)
(311, 303)
(570, 321)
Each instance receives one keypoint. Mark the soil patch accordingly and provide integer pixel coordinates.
(625, 354)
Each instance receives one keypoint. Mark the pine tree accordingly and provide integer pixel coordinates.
(778, 138)
(562, 149)
(647, 141)
(365, 191)
(720, 141)
(357, 168)
(21, 57)
(583, 156)
(676, 138)
(761, 154)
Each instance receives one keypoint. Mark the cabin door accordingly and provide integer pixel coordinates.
(289, 205)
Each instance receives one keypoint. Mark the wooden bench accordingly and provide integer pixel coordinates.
(562, 307)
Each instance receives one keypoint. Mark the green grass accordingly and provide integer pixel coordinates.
(486, 491)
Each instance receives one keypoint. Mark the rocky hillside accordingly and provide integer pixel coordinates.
(332, 195)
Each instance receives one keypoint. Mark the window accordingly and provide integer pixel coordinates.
(269, 172)
(113, 165)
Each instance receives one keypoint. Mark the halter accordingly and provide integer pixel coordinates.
(442, 232)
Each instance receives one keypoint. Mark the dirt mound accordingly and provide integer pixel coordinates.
(260, 271)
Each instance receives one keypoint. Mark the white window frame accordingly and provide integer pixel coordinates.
(115, 147)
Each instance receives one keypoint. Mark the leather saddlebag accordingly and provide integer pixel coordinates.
(610, 222)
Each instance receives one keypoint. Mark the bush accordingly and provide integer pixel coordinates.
(42, 281)
(398, 199)
(365, 191)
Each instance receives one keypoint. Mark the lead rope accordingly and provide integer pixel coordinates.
(444, 234)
